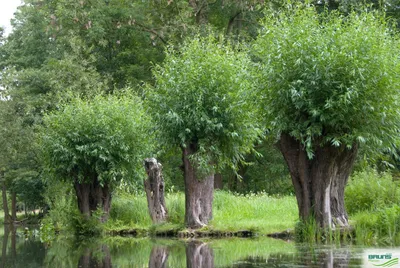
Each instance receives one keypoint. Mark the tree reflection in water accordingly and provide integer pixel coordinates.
(158, 257)
(96, 258)
(199, 254)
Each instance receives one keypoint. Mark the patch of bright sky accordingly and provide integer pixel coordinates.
(7, 10)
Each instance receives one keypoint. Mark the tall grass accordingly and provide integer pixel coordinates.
(232, 212)
(372, 201)
(258, 212)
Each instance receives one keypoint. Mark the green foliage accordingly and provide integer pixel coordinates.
(266, 172)
(372, 200)
(203, 96)
(380, 226)
(107, 137)
(61, 201)
(369, 191)
(84, 227)
(326, 78)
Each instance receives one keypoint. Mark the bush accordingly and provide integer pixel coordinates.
(62, 206)
(368, 190)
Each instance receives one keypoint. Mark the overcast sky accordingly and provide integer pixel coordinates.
(7, 9)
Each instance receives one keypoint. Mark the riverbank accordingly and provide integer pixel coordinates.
(233, 215)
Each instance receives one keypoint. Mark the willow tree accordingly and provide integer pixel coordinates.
(330, 84)
(202, 102)
(95, 145)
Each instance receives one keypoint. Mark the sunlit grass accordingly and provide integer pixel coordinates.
(259, 213)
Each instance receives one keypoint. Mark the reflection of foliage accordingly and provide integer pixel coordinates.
(28, 250)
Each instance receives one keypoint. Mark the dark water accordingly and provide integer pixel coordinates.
(24, 249)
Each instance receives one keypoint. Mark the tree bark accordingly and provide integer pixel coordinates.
(7, 217)
(319, 182)
(154, 187)
(92, 196)
(198, 192)
(199, 254)
(158, 257)
(14, 206)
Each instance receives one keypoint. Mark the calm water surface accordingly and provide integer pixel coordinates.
(21, 249)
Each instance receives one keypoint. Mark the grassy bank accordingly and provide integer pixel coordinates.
(258, 213)
(372, 201)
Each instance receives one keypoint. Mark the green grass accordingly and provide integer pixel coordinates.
(259, 213)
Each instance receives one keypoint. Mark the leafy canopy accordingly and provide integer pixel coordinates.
(203, 96)
(106, 137)
(330, 78)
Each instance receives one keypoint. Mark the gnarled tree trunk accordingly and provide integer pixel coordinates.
(199, 254)
(199, 192)
(154, 187)
(92, 196)
(319, 182)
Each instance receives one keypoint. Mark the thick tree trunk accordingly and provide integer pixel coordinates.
(7, 217)
(198, 192)
(158, 257)
(319, 183)
(154, 187)
(199, 254)
(92, 196)
(14, 206)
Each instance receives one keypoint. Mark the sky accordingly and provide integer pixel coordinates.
(7, 9)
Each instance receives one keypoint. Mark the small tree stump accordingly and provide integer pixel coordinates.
(154, 187)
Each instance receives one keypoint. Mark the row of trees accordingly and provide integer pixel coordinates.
(322, 84)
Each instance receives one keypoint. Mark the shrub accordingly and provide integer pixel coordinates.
(368, 190)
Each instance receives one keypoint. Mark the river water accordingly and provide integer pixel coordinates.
(23, 248)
